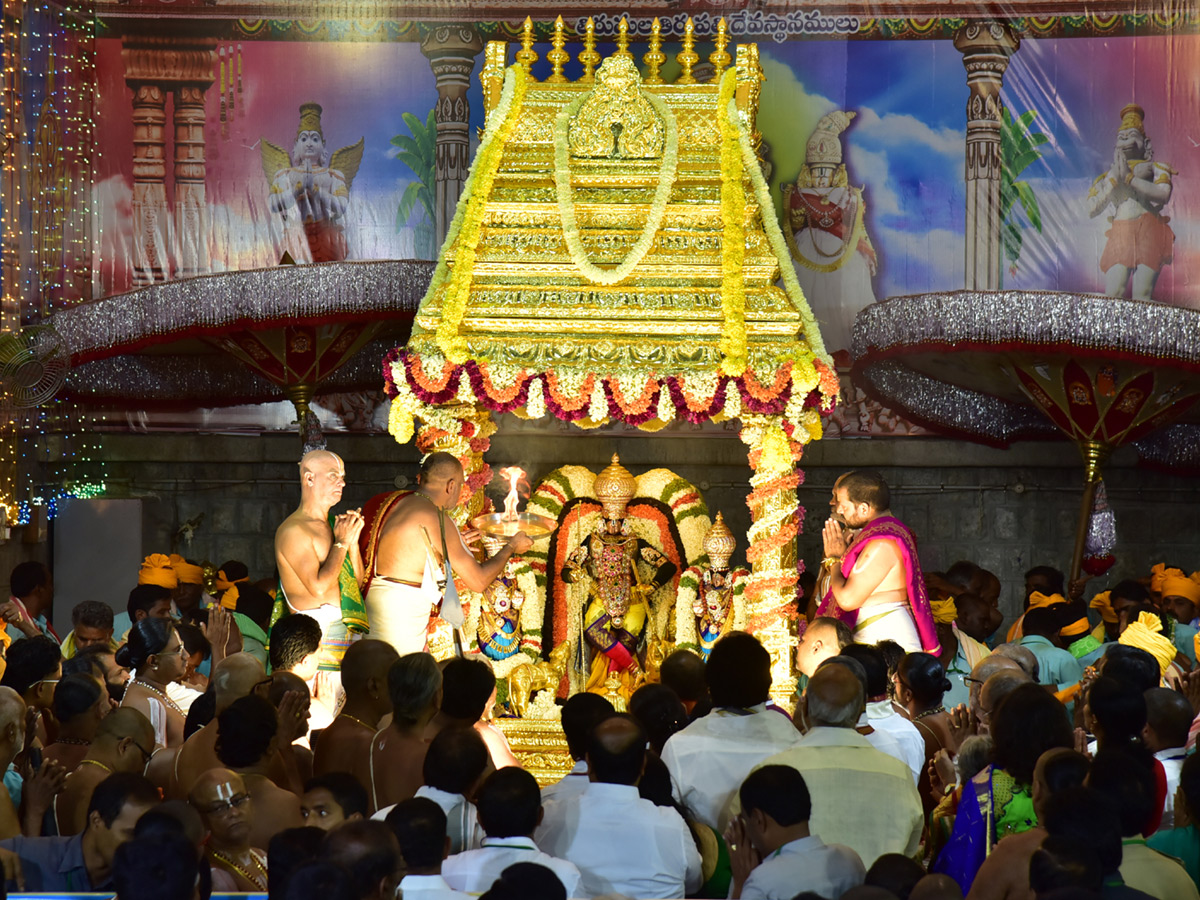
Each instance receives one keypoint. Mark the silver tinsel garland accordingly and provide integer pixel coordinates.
(281, 294)
(1175, 448)
(1088, 321)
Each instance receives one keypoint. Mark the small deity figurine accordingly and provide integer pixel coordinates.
(715, 591)
(1140, 242)
(499, 630)
(611, 559)
(315, 182)
(824, 219)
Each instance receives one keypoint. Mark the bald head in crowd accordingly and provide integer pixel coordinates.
(834, 698)
(995, 689)
(236, 676)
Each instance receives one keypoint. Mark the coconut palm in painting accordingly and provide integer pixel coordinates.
(417, 150)
(1018, 150)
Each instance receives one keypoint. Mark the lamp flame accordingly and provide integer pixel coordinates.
(514, 474)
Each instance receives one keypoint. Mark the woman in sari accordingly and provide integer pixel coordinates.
(999, 800)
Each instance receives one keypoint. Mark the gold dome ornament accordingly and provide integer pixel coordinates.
(719, 543)
(614, 488)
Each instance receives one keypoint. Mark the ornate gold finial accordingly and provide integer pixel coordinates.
(491, 77)
(720, 58)
(719, 543)
(527, 56)
(589, 57)
(654, 57)
(614, 488)
(687, 57)
(557, 55)
(623, 39)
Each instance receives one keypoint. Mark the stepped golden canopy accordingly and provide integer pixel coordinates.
(610, 257)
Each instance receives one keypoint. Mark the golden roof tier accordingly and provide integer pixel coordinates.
(609, 258)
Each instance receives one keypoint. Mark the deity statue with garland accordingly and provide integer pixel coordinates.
(714, 593)
(612, 560)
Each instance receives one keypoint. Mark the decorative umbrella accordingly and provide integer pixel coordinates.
(998, 366)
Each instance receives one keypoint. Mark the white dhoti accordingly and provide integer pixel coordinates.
(399, 613)
(890, 620)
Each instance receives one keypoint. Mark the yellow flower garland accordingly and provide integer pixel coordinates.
(468, 218)
(733, 240)
(566, 203)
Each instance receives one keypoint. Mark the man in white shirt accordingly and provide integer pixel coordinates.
(861, 797)
(880, 724)
(420, 826)
(620, 843)
(710, 757)
(580, 714)
(773, 854)
(1168, 718)
(509, 807)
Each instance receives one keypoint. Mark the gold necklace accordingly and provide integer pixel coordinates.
(99, 765)
(167, 700)
(222, 858)
(356, 721)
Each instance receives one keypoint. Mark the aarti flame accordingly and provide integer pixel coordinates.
(514, 474)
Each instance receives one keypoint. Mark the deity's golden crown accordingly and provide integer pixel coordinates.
(719, 543)
(310, 119)
(1133, 116)
(614, 488)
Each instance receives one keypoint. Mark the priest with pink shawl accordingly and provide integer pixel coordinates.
(874, 581)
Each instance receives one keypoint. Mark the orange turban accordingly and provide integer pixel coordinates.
(1079, 626)
(156, 569)
(1158, 574)
(187, 572)
(1037, 599)
(229, 595)
(1102, 603)
(1176, 584)
(1145, 635)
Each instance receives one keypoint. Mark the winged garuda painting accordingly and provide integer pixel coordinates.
(314, 182)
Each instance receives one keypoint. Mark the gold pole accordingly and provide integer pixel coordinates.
(300, 395)
(1095, 454)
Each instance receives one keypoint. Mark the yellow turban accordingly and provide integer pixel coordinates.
(1176, 584)
(229, 595)
(1102, 603)
(1079, 626)
(1037, 599)
(1145, 635)
(944, 611)
(187, 572)
(1158, 574)
(156, 569)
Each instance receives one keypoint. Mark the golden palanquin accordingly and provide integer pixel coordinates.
(610, 260)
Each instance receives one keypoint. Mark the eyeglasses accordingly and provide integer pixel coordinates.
(967, 679)
(146, 754)
(237, 801)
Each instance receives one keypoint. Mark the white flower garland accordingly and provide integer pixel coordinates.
(566, 203)
(779, 247)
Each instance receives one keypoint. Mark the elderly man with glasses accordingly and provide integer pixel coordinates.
(221, 798)
(123, 743)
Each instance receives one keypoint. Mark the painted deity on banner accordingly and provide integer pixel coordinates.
(1140, 242)
(313, 182)
(622, 571)
(823, 219)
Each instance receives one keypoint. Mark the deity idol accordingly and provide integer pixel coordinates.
(499, 630)
(715, 591)
(315, 182)
(1140, 242)
(824, 222)
(617, 610)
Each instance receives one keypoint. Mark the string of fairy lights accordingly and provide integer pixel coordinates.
(51, 236)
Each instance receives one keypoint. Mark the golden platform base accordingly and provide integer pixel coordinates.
(541, 747)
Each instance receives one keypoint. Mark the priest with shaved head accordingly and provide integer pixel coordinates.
(317, 555)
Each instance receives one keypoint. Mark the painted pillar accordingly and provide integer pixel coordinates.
(451, 51)
(986, 48)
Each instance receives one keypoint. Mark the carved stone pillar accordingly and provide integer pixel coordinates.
(451, 51)
(155, 66)
(191, 221)
(149, 184)
(986, 48)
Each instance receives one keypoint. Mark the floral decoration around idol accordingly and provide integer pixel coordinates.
(667, 511)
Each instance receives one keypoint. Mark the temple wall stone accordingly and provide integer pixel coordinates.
(1006, 509)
